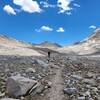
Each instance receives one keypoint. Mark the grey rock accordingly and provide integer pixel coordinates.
(70, 91)
(81, 98)
(18, 85)
(98, 79)
(38, 89)
(90, 75)
(30, 70)
(76, 77)
(87, 93)
(90, 81)
(40, 62)
(91, 99)
(2, 94)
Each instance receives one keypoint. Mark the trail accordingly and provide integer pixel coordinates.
(57, 85)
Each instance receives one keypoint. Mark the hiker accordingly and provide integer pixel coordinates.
(48, 54)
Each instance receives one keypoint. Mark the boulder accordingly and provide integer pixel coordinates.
(81, 98)
(42, 63)
(91, 82)
(76, 77)
(30, 70)
(98, 79)
(90, 75)
(2, 94)
(19, 86)
(70, 91)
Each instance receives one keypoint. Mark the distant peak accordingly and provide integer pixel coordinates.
(48, 43)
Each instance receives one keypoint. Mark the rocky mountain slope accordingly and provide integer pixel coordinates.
(9, 46)
(90, 45)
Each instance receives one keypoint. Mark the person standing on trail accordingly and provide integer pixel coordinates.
(49, 54)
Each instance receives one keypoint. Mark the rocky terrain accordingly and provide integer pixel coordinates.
(63, 77)
(27, 73)
(9, 46)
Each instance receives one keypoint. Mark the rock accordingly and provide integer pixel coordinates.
(42, 94)
(38, 90)
(76, 77)
(91, 99)
(81, 98)
(87, 93)
(22, 98)
(8, 99)
(94, 89)
(70, 91)
(90, 75)
(40, 62)
(30, 70)
(49, 84)
(2, 94)
(19, 86)
(90, 81)
(98, 79)
(34, 61)
(88, 86)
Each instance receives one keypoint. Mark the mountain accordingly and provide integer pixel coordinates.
(9, 46)
(90, 45)
(48, 45)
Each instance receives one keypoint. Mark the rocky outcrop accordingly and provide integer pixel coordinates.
(9, 46)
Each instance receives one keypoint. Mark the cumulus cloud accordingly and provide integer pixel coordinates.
(76, 5)
(9, 9)
(47, 5)
(68, 13)
(92, 27)
(44, 28)
(64, 5)
(29, 6)
(60, 29)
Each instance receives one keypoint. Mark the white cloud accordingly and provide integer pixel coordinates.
(92, 27)
(64, 5)
(44, 28)
(9, 9)
(29, 6)
(68, 13)
(60, 29)
(47, 5)
(76, 5)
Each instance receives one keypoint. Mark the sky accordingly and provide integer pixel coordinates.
(60, 21)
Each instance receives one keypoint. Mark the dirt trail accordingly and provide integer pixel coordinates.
(57, 86)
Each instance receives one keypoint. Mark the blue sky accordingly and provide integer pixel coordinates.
(60, 21)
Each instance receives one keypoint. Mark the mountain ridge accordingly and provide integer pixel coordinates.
(90, 45)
